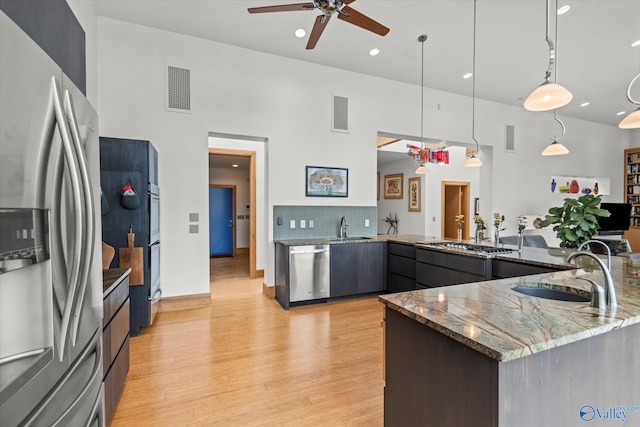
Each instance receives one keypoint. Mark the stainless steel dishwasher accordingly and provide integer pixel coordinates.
(308, 272)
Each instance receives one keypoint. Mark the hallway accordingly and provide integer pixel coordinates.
(244, 361)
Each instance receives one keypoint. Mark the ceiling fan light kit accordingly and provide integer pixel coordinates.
(549, 96)
(328, 8)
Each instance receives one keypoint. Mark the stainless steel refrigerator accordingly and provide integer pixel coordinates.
(50, 257)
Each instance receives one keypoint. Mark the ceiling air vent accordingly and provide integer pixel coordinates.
(178, 89)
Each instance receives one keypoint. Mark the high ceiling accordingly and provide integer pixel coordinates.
(595, 59)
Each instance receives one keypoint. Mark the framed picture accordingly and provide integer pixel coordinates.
(393, 186)
(414, 194)
(378, 184)
(476, 206)
(327, 182)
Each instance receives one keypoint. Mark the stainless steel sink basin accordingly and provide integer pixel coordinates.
(554, 292)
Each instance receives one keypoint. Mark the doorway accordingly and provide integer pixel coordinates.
(455, 201)
(222, 220)
(247, 205)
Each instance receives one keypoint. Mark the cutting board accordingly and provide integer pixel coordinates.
(107, 255)
(131, 257)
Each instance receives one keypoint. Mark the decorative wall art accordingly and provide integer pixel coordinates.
(327, 182)
(414, 195)
(378, 184)
(393, 186)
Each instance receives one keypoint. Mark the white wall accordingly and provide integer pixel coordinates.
(238, 91)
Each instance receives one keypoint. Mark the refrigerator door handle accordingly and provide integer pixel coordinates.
(68, 151)
(88, 224)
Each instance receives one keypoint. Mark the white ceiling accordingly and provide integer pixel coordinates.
(596, 62)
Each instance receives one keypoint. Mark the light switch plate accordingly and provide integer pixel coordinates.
(310, 223)
(366, 222)
(303, 223)
(292, 223)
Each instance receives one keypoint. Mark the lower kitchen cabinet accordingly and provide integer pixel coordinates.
(401, 267)
(503, 269)
(357, 268)
(436, 268)
(115, 336)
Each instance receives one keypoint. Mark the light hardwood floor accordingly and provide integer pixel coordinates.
(244, 361)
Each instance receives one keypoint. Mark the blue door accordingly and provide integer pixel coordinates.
(220, 221)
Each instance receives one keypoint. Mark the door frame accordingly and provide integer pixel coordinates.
(463, 206)
(253, 274)
(233, 213)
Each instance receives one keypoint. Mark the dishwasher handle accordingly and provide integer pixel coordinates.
(315, 251)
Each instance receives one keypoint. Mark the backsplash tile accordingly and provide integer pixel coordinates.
(326, 221)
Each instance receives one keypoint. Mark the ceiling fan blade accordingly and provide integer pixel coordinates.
(356, 18)
(318, 28)
(282, 8)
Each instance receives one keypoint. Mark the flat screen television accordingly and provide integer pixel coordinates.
(619, 219)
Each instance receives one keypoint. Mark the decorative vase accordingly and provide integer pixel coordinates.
(520, 242)
(459, 235)
(574, 188)
(553, 185)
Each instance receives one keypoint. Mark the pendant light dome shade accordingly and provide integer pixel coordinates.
(555, 149)
(548, 96)
(421, 170)
(473, 161)
(632, 121)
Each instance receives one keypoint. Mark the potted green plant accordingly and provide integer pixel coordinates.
(576, 220)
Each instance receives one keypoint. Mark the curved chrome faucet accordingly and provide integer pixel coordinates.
(602, 244)
(609, 289)
(343, 228)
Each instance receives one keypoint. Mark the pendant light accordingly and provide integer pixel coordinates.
(422, 169)
(632, 121)
(473, 160)
(556, 148)
(548, 95)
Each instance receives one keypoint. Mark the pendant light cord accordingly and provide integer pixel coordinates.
(473, 83)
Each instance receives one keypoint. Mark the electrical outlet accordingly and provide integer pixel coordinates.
(303, 223)
(310, 223)
(292, 223)
(366, 223)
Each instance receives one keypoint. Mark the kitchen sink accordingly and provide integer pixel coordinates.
(552, 291)
(349, 239)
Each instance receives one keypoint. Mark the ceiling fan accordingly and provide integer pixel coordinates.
(328, 8)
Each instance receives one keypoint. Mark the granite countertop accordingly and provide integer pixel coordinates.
(409, 239)
(506, 325)
(111, 277)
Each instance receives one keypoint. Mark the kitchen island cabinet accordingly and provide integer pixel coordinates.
(437, 268)
(482, 354)
(401, 267)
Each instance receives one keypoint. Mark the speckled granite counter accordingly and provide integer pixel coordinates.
(506, 325)
(409, 239)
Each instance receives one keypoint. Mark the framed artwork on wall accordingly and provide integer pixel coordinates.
(414, 195)
(393, 186)
(327, 182)
(378, 185)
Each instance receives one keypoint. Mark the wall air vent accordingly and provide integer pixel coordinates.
(340, 114)
(178, 97)
(509, 139)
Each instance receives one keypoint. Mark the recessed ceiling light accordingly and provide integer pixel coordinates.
(467, 76)
(584, 104)
(563, 9)
(300, 33)
(620, 113)
(374, 51)
(234, 166)
(635, 43)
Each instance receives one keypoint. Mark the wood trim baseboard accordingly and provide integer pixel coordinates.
(268, 291)
(242, 251)
(260, 273)
(184, 302)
